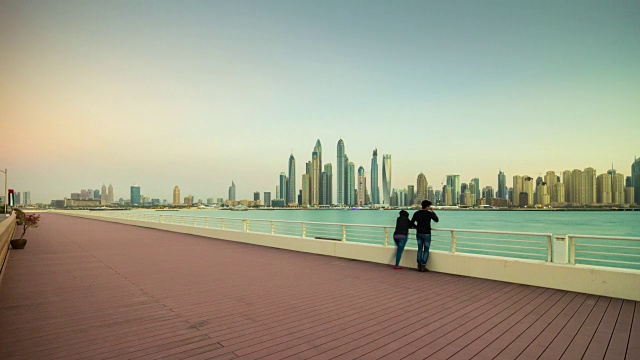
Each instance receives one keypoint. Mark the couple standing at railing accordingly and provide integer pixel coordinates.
(421, 221)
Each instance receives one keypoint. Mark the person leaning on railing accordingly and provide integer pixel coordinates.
(422, 221)
(401, 234)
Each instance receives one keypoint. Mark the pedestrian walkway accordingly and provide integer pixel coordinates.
(88, 289)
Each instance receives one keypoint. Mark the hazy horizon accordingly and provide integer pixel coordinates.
(198, 94)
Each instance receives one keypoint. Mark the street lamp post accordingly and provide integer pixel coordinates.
(6, 196)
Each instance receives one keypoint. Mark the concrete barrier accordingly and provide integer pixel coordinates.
(7, 228)
(605, 281)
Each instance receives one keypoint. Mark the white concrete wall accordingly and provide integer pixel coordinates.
(620, 283)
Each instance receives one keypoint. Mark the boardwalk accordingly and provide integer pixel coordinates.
(86, 289)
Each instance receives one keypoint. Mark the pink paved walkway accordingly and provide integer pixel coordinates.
(87, 289)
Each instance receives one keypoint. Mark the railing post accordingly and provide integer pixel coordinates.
(145, 217)
(206, 222)
(453, 241)
(304, 230)
(195, 221)
(344, 233)
(273, 228)
(162, 219)
(386, 236)
(222, 225)
(549, 249)
(572, 249)
(246, 225)
(182, 219)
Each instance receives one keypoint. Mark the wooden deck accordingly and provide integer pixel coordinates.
(87, 289)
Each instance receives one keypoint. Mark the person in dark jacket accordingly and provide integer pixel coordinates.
(421, 220)
(401, 234)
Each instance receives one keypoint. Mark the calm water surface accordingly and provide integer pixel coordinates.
(607, 223)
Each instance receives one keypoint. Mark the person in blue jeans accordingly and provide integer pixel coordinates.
(421, 220)
(401, 234)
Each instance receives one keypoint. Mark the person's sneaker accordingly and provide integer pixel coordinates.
(420, 267)
(397, 267)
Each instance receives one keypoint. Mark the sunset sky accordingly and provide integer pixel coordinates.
(200, 93)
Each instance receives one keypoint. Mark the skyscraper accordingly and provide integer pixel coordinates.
(318, 148)
(232, 191)
(551, 179)
(635, 179)
(316, 171)
(421, 188)
(501, 193)
(375, 190)
(589, 183)
(267, 198)
(603, 189)
(473, 190)
(528, 187)
(96, 194)
(282, 187)
(306, 182)
(362, 184)
(291, 186)
(103, 195)
(110, 194)
(454, 182)
(341, 179)
(517, 189)
(577, 187)
(176, 195)
(135, 195)
(617, 188)
(386, 179)
(351, 183)
(567, 181)
(327, 192)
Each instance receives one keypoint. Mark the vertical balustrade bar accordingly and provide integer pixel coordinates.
(162, 219)
(386, 236)
(453, 241)
(304, 230)
(549, 249)
(222, 220)
(195, 221)
(206, 222)
(344, 233)
(273, 228)
(572, 247)
(246, 225)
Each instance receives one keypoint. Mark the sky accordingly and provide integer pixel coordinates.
(201, 93)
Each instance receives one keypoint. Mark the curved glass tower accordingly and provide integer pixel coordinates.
(375, 190)
(291, 188)
(386, 179)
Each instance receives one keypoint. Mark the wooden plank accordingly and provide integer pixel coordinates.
(600, 341)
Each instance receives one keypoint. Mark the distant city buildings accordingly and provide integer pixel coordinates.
(386, 179)
(135, 195)
(232, 191)
(176, 195)
(375, 189)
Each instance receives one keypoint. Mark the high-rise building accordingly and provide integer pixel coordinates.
(438, 197)
(232, 191)
(431, 196)
(318, 147)
(551, 179)
(421, 188)
(316, 172)
(324, 180)
(362, 184)
(411, 195)
(517, 189)
(110, 194)
(256, 196)
(542, 194)
(103, 195)
(487, 193)
(375, 189)
(341, 183)
(577, 187)
(386, 179)
(635, 179)
(589, 184)
(84, 195)
(567, 181)
(282, 187)
(327, 192)
(454, 182)
(188, 200)
(135, 195)
(529, 188)
(306, 182)
(96, 194)
(447, 194)
(473, 191)
(476, 181)
(27, 198)
(351, 184)
(176, 195)
(629, 195)
(267, 198)
(502, 192)
(603, 189)
(291, 186)
(617, 188)
(560, 192)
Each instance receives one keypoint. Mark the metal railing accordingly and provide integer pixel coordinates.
(612, 251)
(522, 245)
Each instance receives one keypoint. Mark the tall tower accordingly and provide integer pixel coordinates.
(528, 187)
(341, 179)
(282, 187)
(103, 195)
(454, 182)
(517, 189)
(292, 195)
(362, 184)
(589, 175)
(635, 179)
(327, 186)
(476, 181)
(110, 194)
(135, 195)
(351, 180)
(421, 188)
(386, 179)
(232, 191)
(577, 187)
(375, 190)
(316, 171)
(551, 179)
(176, 195)
(603, 189)
(567, 181)
(501, 193)
(318, 148)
